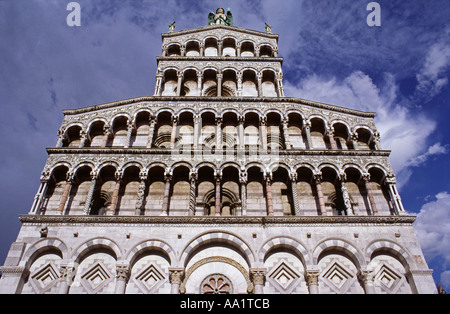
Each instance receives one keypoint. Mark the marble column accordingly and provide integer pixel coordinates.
(318, 180)
(218, 203)
(87, 203)
(219, 84)
(151, 131)
(373, 206)
(115, 196)
(269, 195)
(287, 141)
(312, 281)
(65, 195)
(174, 131)
(258, 276)
(165, 205)
(192, 193)
(293, 177)
(175, 277)
(106, 134)
(122, 276)
(307, 128)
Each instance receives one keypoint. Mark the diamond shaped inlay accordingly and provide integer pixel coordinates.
(150, 277)
(95, 278)
(45, 278)
(388, 279)
(338, 278)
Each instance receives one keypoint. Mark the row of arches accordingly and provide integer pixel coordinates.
(365, 271)
(183, 190)
(231, 130)
(215, 47)
(212, 82)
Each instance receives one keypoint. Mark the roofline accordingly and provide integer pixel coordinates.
(220, 100)
(234, 28)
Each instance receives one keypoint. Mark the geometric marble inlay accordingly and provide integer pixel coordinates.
(150, 279)
(283, 276)
(387, 279)
(45, 278)
(338, 278)
(95, 278)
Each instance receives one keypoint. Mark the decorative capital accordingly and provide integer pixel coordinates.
(258, 275)
(176, 275)
(122, 272)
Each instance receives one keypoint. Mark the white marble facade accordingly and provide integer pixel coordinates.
(217, 183)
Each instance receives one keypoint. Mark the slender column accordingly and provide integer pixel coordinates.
(87, 203)
(202, 49)
(345, 195)
(259, 78)
(239, 83)
(179, 83)
(65, 195)
(317, 180)
(373, 206)
(269, 195)
(122, 276)
(130, 127)
(219, 136)
(141, 192)
(219, 48)
(241, 132)
(175, 277)
(115, 195)
(258, 276)
(218, 200)
(354, 139)
(243, 180)
(151, 131)
(83, 137)
(183, 50)
(66, 274)
(238, 49)
(367, 277)
(396, 199)
(287, 140)
(376, 138)
(165, 205)
(197, 128)
(295, 193)
(280, 88)
(192, 193)
(219, 84)
(263, 127)
(60, 138)
(42, 190)
(158, 86)
(312, 281)
(174, 131)
(331, 137)
(106, 134)
(307, 128)
(200, 82)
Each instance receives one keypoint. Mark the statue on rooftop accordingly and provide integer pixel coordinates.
(220, 18)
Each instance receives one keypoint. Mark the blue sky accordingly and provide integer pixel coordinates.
(400, 70)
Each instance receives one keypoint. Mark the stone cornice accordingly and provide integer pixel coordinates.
(165, 151)
(211, 27)
(204, 99)
(206, 220)
(209, 58)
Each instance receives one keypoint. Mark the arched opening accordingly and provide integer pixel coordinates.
(341, 136)
(295, 129)
(72, 137)
(206, 197)
(247, 49)
(179, 198)
(283, 203)
(174, 50)
(193, 49)
(211, 47)
(163, 130)
(170, 83)
(249, 84)
(256, 192)
(229, 47)
(96, 134)
(120, 131)
(269, 84)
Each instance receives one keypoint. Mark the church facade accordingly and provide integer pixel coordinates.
(218, 183)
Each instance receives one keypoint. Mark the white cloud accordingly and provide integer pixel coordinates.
(403, 132)
(433, 231)
(433, 75)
